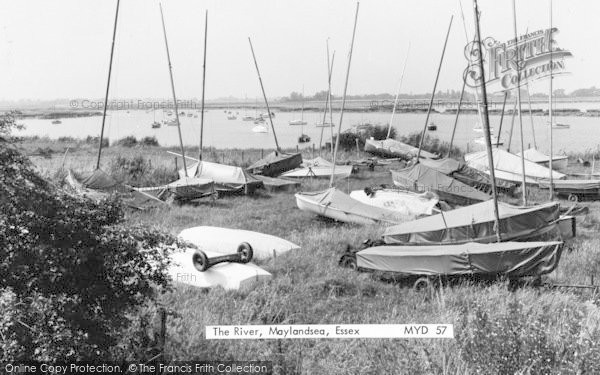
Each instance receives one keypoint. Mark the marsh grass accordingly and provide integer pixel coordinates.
(497, 331)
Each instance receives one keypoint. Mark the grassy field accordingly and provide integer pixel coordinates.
(497, 331)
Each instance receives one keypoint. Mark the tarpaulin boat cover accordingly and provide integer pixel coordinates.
(465, 174)
(275, 164)
(536, 156)
(421, 178)
(476, 223)
(227, 178)
(406, 202)
(571, 185)
(278, 184)
(105, 184)
(513, 259)
(316, 162)
(186, 188)
(508, 166)
(392, 148)
(333, 202)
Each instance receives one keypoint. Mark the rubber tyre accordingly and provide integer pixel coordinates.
(200, 261)
(246, 252)
(350, 262)
(573, 198)
(422, 284)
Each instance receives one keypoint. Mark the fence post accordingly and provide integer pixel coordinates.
(297, 148)
(242, 156)
(313, 150)
(176, 167)
(162, 336)
(261, 153)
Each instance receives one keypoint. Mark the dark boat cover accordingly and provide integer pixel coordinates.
(421, 178)
(465, 174)
(227, 178)
(391, 148)
(514, 259)
(475, 223)
(275, 164)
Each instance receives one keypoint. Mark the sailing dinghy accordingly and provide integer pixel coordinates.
(226, 240)
(420, 178)
(559, 162)
(404, 202)
(230, 276)
(391, 148)
(511, 259)
(508, 167)
(227, 178)
(475, 223)
(275, 163)
(319, 167)
(337, 205)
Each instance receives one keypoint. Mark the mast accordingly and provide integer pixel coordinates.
(462, 93)
(329, 95)
(501, 119)
(531, 116)
(329, 70)
(173, 91)
(112, 49)
(524, 187)
(337, 139)
(434, 88)
(512, 125)
(264, 95)
(200, 147)
(550, 110)
(397, 94)
(486, 122)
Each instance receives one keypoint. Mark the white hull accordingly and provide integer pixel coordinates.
(332, 213)
(226, 241)
(406, 203)
(341, 171)
(260, 129)
(231, 276)
(297, 122)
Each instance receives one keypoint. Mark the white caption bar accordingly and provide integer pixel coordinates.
(331, 331)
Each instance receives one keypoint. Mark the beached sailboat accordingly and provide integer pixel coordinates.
(491, 260)
(391, 148)
(405, 202)
(276, 162)
(476, 223)
(559, 162)
(508, 167)
(420, 178)
(574, 190)
(319, 167)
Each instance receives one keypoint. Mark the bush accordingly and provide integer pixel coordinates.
(68, 139)
(138, 171)
(348, 138)
(94, 140)
(149, 141)
(128, 141)
(431, 144)
(71, 274)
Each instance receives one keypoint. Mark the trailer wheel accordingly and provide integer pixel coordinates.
(200, 260)
(422, 284)
(573, 198)
(246, 252)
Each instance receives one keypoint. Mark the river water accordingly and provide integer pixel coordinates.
(584, 133)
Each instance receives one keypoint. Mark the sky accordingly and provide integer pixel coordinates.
(60, 49)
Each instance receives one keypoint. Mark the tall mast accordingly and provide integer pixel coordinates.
(112, 49)
(550, 110)
(397, 94)
(434, 88)
(173, 91)
(462, 93)
(200, 147)
(486, 121)
(337, 138)
(518, 63)
(329, 70)
(501, 118)
(329, 95)
(264, 95)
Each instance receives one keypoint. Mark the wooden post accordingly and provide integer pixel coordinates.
(313, 150)
(261, 153)
(176, 167)
(162, 336)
